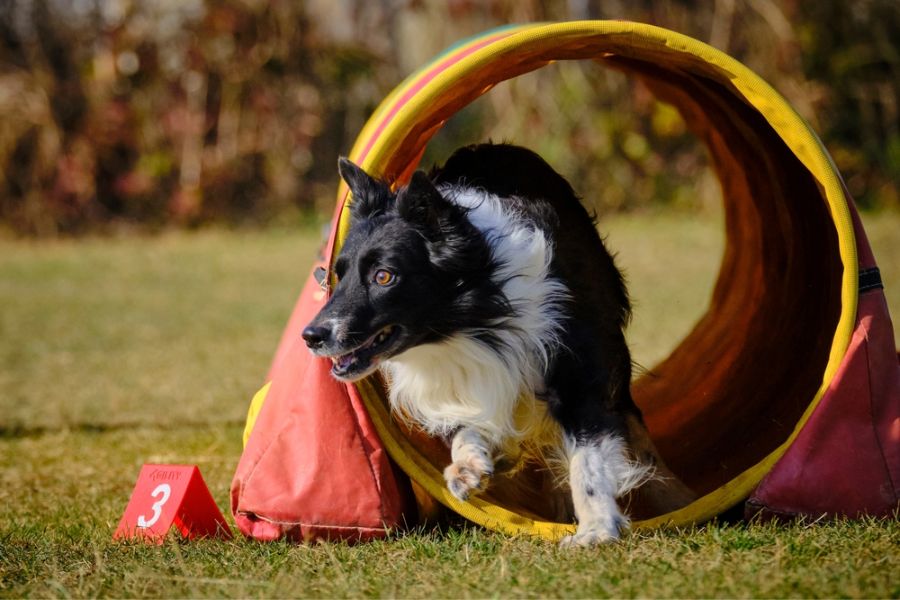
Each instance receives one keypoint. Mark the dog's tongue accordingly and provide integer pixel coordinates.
(342, 362)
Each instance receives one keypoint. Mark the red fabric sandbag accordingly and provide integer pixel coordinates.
(846, 460)
(313, 467)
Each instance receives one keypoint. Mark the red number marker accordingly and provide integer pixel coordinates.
(167, 496)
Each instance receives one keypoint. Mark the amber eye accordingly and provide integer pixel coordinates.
(383, 277)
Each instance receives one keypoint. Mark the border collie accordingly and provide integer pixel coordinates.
(482, 286)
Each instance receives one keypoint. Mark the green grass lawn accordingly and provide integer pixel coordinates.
(118, 352)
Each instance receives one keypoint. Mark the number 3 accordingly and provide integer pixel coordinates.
(164, 490)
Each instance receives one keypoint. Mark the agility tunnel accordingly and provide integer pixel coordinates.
(783, 400)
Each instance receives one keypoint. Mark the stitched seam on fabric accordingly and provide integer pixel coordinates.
(252, 515)
(761, 509)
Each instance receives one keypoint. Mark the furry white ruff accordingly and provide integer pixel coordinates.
(462, 381)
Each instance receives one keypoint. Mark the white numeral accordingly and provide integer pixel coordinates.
(164, 490)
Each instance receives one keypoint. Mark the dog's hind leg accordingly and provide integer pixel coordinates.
(599, 472)
(472, 463)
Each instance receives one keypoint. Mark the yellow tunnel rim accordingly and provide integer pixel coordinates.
(778, 113)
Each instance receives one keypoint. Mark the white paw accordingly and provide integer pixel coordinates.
(468, 475)
(591, 535)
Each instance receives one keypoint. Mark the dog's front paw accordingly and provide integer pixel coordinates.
(592, 535)
(469, 475)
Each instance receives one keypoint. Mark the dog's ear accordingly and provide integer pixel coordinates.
(370, 196)
(421, 203)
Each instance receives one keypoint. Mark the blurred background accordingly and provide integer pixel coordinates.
(144, 115)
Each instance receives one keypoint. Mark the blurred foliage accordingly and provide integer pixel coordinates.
(122, 113)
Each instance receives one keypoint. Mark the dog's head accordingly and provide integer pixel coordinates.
(411, 270)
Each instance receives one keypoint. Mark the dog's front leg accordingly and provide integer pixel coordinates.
(472, 463)
(599, 472)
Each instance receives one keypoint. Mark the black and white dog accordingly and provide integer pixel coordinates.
(482, 286)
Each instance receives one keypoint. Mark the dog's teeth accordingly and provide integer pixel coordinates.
(342, 361)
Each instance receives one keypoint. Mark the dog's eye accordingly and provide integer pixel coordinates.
(383, 277)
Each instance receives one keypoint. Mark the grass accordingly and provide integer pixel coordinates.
(147, 330)
(118, 352)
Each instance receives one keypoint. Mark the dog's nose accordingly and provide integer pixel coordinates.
(315, 335)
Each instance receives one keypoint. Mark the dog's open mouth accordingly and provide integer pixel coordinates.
(363, 359)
